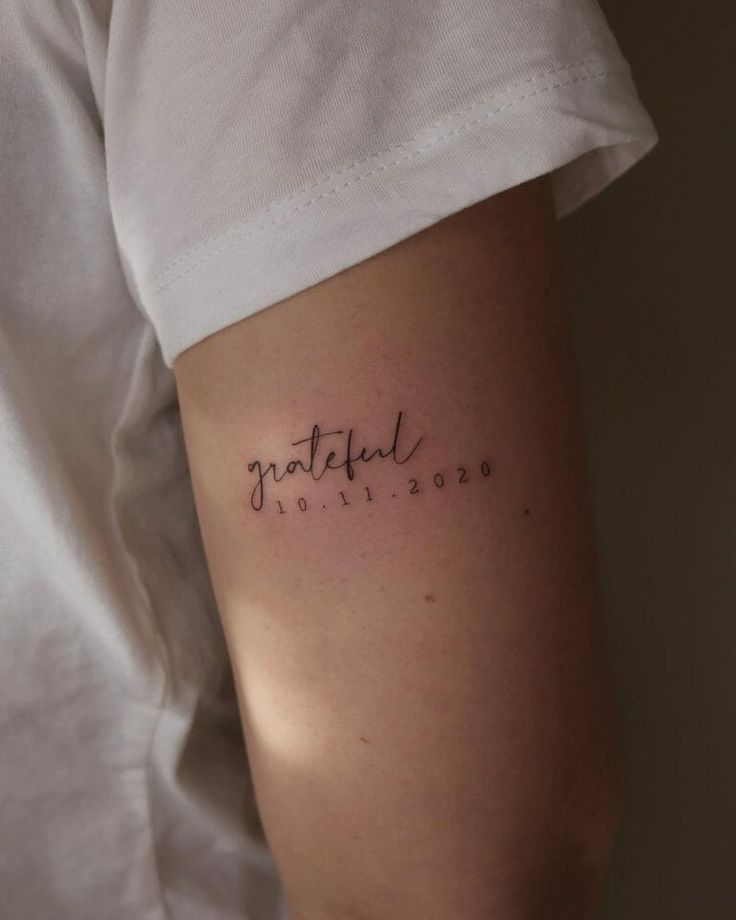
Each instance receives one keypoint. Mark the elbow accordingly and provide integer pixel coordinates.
(568, 878)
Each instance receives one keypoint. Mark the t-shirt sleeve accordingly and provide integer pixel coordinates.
(255, 149)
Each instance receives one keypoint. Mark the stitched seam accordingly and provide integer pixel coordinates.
(326, 178)
(256, 231)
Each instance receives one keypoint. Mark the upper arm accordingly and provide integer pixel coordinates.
(415, 646)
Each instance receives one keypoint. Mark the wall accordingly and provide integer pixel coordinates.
(651, 274)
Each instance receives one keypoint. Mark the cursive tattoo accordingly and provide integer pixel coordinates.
(318, 466)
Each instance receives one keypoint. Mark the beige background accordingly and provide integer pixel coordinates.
(651, 275)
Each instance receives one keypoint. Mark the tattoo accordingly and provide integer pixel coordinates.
(317, 465)
(314, 441)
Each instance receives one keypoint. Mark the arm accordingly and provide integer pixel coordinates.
(421, 677)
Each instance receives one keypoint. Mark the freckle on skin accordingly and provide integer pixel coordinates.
(364, 740)
(430, 598)
(527, 511)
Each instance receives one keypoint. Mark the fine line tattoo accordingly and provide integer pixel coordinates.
(263, 471)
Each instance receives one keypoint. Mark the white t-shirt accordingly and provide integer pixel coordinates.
(166, 169)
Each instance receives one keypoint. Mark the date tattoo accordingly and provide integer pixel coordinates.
(318, 463)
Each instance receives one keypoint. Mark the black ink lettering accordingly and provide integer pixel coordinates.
(263, 471)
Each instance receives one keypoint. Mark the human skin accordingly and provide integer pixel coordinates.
(417, 647)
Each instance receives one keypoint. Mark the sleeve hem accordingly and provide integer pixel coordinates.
(583, 123)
